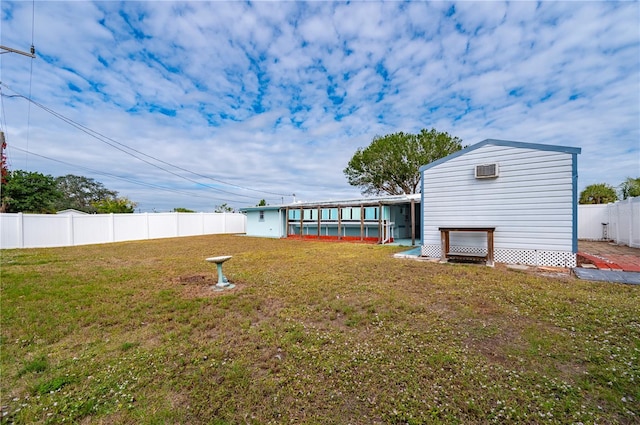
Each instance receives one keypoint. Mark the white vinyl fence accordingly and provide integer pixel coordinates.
(50, 230)
(618, 222)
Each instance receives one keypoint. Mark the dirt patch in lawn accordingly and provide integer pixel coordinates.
(202, 286)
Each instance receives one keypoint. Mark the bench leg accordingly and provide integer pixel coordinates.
(444, 245)
(490, 262)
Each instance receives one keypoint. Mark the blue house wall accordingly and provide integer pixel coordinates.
(382, 219)
(265, 222)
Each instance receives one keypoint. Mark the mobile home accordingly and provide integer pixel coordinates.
(503, 201)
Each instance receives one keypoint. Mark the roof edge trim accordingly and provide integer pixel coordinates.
(509, 143)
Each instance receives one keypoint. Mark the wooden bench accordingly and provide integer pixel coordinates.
(466, 256)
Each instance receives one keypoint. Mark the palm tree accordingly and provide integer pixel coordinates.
(630, 188)
(599, 193)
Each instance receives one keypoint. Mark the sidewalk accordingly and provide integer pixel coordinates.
(604, 261)
(607, 256)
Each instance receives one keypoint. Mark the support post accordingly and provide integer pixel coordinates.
(339, 222)
(413, 222)
(70, 229)
(629, 199)
(286, 222)
(361, 222)
(301, 222)
(20, 224)
(380, 223)
(490, 248)
(444, 245)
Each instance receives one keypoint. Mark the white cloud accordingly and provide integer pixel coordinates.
(277, 96)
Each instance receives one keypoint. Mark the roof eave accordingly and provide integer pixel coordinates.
(497, 142)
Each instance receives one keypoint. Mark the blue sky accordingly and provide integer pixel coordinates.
(197, 104)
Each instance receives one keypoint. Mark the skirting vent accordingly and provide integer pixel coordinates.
(513, 256)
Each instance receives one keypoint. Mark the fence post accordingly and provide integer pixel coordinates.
(112, 227)
(70, 229)
(609, 227)
(616, 205)
(630, 221)
(20, 224)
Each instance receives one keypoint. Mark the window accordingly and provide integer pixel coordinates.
(294, 214)
(371, 213)
(261, 216)
(346, 213)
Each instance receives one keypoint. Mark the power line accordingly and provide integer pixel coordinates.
(111, 142)
(150, 185)
(98, 136)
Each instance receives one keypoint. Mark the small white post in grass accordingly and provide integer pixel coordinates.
(223, 283)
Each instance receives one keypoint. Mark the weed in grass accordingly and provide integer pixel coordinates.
(37, 365)
(52, 385)
(126, 346)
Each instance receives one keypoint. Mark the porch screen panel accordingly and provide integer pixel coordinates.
(329, 214)
(371, 213)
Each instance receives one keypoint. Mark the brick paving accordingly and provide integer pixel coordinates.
(608, 256)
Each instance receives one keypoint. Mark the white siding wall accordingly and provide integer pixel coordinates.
(529, 204)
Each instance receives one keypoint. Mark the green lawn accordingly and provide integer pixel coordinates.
(315, 332)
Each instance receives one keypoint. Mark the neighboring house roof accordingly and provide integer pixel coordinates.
(385, 200)
(509, 143)
(71, 211)
(262, 208)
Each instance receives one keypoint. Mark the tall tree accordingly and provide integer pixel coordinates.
(81, 193)
(630, 188)
(114, 205)
(30, 192)
(599, 193)
(391, 164)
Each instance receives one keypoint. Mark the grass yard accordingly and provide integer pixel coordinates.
(314, 333)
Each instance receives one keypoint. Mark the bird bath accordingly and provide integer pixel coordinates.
(223, 283)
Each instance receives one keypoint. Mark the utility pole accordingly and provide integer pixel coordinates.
(20, 52)
(3, 165)
(32, 55)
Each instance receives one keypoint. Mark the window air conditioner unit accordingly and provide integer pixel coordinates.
(486, 171)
